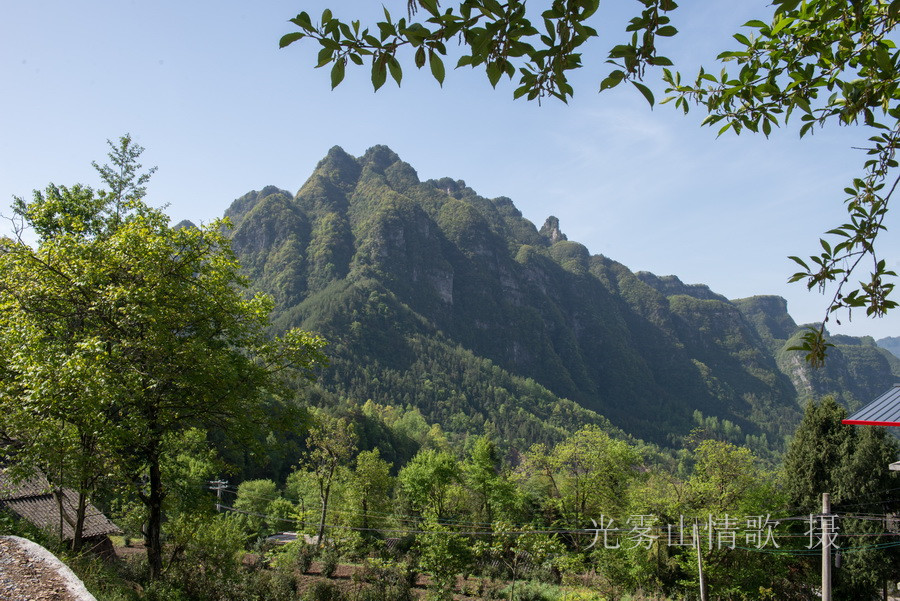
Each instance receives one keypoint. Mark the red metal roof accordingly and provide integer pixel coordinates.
(883, 411)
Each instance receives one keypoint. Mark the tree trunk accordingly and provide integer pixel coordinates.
(325, 494)
(365, 508)
(77, 538)
(152, 539)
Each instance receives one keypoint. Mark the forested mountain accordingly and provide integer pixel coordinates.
(891, 343)
(437, 298)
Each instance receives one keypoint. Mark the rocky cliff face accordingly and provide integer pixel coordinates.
(856, 371)
(408, 277)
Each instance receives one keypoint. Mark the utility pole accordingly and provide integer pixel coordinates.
(700, 563)
(826, 547)
(219, 487)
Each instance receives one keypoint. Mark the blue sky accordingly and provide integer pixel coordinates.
(221, 111)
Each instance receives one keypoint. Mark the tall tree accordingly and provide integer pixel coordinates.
(585, 476)
(370, 490)
(850, 463)
(426, 482)
(331, 443)
(155, 317)
(492, 492)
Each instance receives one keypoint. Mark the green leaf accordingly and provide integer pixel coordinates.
(386, 30)
(659, 61)
(395, 69)
(800, 262)
(324, 57)
(611, 81)
(379, 73)
(431, 6)
(303, 21)
(289, 38)
(494, 71)
(337, 73)
(437, 66)
(645, 91)
(666, 31)
(784, 22)
(420, 57)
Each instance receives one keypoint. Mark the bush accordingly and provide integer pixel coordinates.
(330, 558)
(298, 555)
(164, 591)
(323, 591)
(388, 580)
(533, 591)
(206, 560)
(277, 584)
(100, 577)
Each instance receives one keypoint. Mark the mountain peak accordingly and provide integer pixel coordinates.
(550, 230)
(380, 157)
(339, 165)
(670, 285)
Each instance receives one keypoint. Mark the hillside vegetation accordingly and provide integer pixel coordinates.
(436, 298)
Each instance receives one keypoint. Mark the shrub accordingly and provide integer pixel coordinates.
(323, 591)
(388, 580)
(330, 557)
(277, 584)
(205, 563)
(298, 555)
(533, 591)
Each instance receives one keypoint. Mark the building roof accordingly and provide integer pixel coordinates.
(33, 500)
(883, 411)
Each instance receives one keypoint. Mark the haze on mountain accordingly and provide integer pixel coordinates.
(437, 298)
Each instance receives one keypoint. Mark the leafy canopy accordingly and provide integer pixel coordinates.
(828, 61)
(120, 330)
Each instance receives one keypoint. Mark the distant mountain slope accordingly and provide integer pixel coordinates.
(435, 297)
(891, 343)
(856, 371)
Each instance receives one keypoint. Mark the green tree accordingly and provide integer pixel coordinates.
(331, 443)
(850, 463)
(493, 493)
(728, 487)
(727, 478)
(519, 551)
(370, 490)
(443, 554)
(583, 477)
(255, 498)
(426, 482)
(828, 61)
(150, 321)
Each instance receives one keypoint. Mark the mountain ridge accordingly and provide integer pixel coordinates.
(393, 270)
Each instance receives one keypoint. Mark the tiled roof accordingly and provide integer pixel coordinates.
(11, 489)
(33, 500)
(883, 411)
